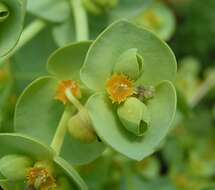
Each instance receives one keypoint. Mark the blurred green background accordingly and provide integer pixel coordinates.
(185, 160)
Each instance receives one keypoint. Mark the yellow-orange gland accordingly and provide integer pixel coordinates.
(119, 87)
(42, 174)
(63, 86)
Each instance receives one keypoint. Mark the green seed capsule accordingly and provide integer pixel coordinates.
(80, 127)
(129, 63)
(4, 12)
(14, 167)
(134, 116)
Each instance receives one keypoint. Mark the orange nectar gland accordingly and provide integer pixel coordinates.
(41, 178)
(63, 86)
(119, 87)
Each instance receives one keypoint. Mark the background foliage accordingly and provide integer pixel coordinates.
(186, 159)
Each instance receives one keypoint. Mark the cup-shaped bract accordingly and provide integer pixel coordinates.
(39, 98)
(23, 158)
(12, 14)
(114, 88)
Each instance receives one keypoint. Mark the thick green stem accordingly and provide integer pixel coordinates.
(60, 133)
(28, 33)
(81, 22)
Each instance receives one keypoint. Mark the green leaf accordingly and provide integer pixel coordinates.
(71, 173)
(12, 143)
(108, 127)
(65, 63)
(34, 104)
(159, 61)
(51, 10)
(12, 14)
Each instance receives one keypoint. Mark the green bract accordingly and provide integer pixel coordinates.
(12, 14)
(44, 112)
(136, 132)
(19, 153)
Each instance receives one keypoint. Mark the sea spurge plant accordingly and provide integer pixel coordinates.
(67, 127)
(12, 14)
(28, 164)
(130, 71)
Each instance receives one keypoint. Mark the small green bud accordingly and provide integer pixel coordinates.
(14, 167)
(134, 116)
(4, 12)
(80, 127)
(98, 7)
(63, 184)
(129, 63)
